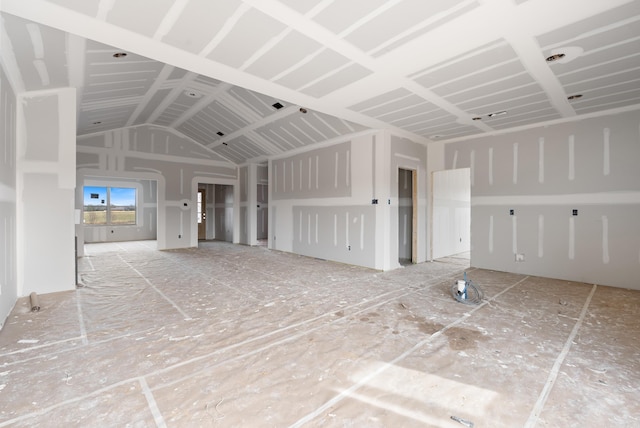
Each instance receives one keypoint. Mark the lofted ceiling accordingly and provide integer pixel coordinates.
(434, 70)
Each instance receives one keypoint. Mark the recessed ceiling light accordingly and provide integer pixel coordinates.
(555, 57)
(193, 93)
(119, 55)
(220, 133)
(303, 110)
(498, 113)
(277, 105)
(574, 97)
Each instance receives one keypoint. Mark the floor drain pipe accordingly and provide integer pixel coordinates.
(35, 302)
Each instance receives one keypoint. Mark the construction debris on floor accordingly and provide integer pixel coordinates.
(233, 336)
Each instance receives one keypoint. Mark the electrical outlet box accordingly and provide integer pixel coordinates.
(512, 212)
(519, 257)
(574, 212)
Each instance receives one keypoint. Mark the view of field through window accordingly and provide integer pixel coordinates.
(109, 205)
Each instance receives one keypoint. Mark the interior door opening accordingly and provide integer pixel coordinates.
(451, 219)
(202, 214)
(407, 216)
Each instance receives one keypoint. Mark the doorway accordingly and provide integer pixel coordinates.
(451, 218)
(407, 216)
(202, 214)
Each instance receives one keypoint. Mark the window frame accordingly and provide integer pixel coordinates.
(136, 187)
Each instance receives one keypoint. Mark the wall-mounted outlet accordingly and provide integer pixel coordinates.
(179, 236)
(512, 212)
(519, 257)
(349, 247)
(574, 212)
(374, 201)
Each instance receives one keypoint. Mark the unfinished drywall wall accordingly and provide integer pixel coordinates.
(319, 213)
(45, 177)
(8, 248)
(340, 202)
(560, 201)
(146, 213)
(451, 212)
(176, 164)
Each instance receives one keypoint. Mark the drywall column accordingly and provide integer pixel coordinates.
(386, 241)
(8, 285)
(46, 180)
(435, 162)
(252, 197)
(248, 203)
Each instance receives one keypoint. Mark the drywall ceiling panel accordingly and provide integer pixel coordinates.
(380, 99)
(105, 119)
(151, 106)
(138, 16)
(238, 150)
(481, 105)
(177, 73)
(208, 81)
(340, 15)
(86, 7)
(613, 69)
(321, 64)
(603, 91)
(423, 118)
(259, 103)
(394, 21)
(455, 11)
(301, 6)
(199, 23)
(514, 118)
(411, 101)
(293, 49)
(207, 125)
(512, 103)
(252, 31)
(447, 121)
(582, 87)
(495, 73)
(399, 115)
(627, 50)
(221, 111)
(171, 113)
(335, 81)
(599, 25)
(608, 101)
(195, 132)
(517, 81)
(485, 57)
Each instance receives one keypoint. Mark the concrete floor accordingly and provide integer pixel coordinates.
(234, 336)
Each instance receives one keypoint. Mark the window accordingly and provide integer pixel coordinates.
(109, 205)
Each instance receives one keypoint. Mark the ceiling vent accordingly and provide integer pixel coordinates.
(277, 106)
